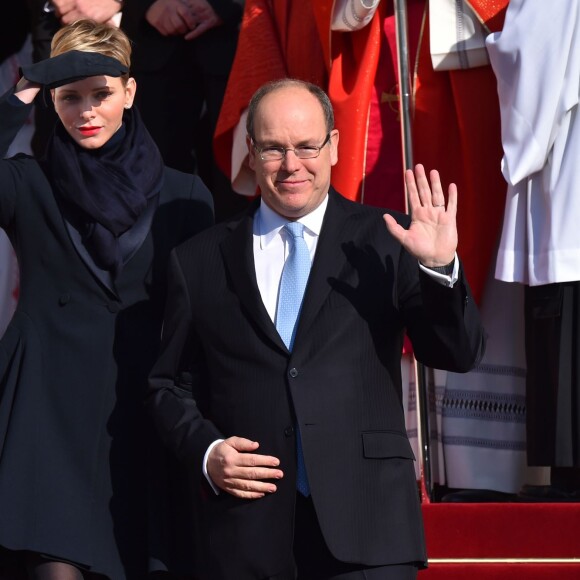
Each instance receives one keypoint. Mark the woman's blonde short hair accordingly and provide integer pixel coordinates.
(90, 36)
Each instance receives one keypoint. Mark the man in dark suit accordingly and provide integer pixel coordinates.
(247, 411)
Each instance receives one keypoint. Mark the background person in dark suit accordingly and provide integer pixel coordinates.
(183, 53)
(92, 224)
(233, 400)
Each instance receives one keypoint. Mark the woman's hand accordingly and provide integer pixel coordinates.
(26, 90)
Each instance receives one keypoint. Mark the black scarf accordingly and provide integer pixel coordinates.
(102, 192)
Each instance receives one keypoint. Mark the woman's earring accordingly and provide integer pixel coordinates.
(127, 106)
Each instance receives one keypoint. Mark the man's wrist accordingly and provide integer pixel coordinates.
(204, 466)
(446, 275)
(447, 270)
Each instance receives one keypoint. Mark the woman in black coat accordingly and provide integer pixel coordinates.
(92, 223)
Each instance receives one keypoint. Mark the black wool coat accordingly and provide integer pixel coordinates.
(74, 441)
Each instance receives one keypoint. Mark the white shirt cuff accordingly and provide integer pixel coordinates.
(444, 279)
(204, 466)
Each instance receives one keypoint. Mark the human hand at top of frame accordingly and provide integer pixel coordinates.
(98, 10)
(205, 17)
(171, 17)
(235, 469)
(432, 235)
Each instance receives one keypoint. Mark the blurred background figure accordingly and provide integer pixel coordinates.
(183, 53)
(15, 51)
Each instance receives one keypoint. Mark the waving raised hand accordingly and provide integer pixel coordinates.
(432, 235)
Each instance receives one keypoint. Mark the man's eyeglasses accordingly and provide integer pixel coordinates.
(278, 153)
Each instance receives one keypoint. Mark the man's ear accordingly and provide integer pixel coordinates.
(334, 146)
(251, 153)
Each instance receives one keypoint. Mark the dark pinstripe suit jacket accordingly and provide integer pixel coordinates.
(225, 371)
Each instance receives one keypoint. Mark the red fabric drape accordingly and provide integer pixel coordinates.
(278, 38)
(491, 13)
(355, 56)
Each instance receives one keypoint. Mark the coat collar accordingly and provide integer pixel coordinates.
(129, 243)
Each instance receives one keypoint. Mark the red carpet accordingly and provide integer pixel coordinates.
(493, 541)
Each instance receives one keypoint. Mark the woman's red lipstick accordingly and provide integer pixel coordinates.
(89, 130)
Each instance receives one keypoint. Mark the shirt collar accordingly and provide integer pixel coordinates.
(270, 223)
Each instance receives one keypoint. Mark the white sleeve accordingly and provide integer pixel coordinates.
(204, 467)
(444, 279)
(349, 15)
(536, 59)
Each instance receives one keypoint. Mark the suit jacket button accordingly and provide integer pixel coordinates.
(113, 308)
(289, 431)
(293, 373)
(64, 299)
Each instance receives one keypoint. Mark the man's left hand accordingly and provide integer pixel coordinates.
(432, 235)
(204, 15)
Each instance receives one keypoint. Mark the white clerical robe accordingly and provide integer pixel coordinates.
(536, 58)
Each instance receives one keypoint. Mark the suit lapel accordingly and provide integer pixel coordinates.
(237, 250)
(328, 262)
(238, 253)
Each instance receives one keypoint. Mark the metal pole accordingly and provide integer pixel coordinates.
(424, 431)
(404, 81)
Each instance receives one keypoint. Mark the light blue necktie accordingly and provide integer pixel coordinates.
(292, 285)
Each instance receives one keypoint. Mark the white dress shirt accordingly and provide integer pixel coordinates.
(272, 245)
